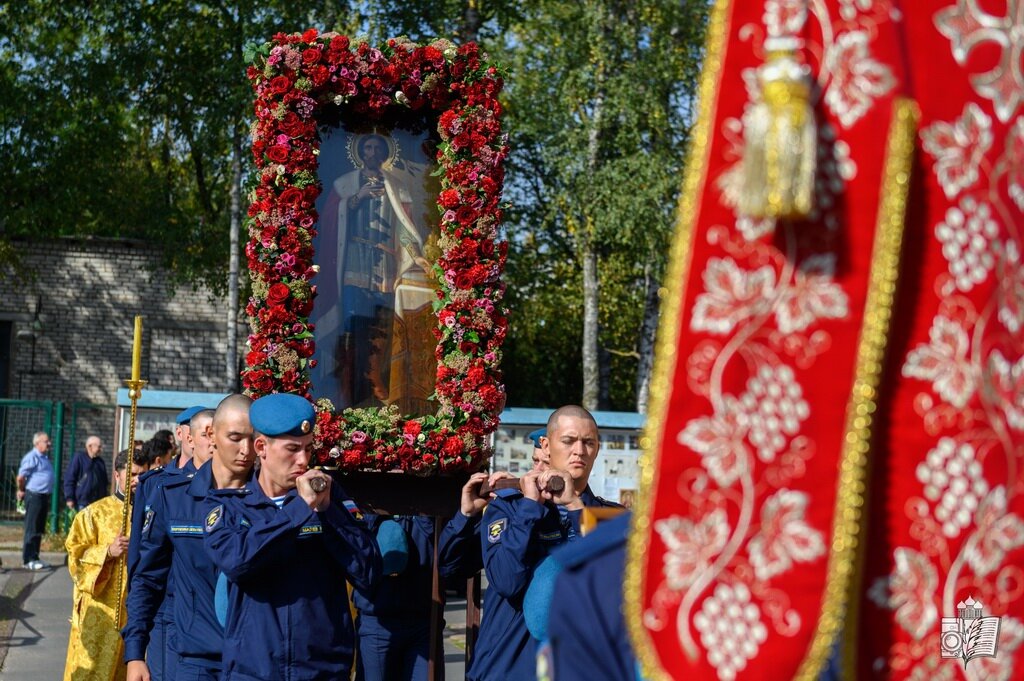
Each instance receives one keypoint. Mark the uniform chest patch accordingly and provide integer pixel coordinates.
(495, 529)
(182, 530)
(551, 536)
(213, 518)
(310, 530)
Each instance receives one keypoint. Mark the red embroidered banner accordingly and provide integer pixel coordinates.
(846, 390)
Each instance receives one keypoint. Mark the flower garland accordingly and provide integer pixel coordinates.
(307, 80)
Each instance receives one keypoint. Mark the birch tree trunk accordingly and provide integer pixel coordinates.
(645, 344)
(231, 356)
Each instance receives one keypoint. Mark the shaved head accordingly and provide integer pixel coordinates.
(572, 411)
(229, 405)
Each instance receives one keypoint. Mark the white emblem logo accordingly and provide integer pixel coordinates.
(969, 635)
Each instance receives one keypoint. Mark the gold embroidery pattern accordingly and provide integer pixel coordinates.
(843, 580)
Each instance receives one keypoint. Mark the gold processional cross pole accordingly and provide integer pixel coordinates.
(134, 391)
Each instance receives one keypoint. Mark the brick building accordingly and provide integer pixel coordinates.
(67, 335)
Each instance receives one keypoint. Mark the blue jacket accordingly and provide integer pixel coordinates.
(459, 549)
(149, 482)
(589, 590)
(86, 480)
(171, 543)
(288, 614)
(516, 534)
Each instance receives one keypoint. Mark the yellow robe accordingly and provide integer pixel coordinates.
(95, 650)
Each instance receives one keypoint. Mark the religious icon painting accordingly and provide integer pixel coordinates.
(373, 247)
(376, 246)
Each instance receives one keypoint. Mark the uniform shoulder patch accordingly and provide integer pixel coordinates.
(214, 517)
(352, 508)
(495, 529)
(148, 521)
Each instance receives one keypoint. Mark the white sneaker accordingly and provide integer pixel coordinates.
(36, 565)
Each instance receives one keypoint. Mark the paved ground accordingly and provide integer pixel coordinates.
(34, 626)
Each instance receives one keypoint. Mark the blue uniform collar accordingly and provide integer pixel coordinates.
(202, 481)
(257, 497)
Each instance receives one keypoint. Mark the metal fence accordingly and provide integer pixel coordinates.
(67, 425)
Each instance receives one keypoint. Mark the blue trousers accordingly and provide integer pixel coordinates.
(36, 506)
(160, 656)
(393, 648)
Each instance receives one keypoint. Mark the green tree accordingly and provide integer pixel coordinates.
(599, 108)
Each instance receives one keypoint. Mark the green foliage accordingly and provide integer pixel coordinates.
(599, 108)
(118, 119)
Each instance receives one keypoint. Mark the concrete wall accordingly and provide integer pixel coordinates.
(72, 325)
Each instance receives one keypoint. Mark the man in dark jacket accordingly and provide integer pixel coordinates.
(86, 480)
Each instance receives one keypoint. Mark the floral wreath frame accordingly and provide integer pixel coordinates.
(303, 82)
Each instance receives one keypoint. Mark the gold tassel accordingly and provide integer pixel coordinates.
(780, 139)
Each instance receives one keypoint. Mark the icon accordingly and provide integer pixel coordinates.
(969, 635)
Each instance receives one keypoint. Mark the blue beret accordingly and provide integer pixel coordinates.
(537, 435)
(282, 414)
(394, 547)
(186, 415)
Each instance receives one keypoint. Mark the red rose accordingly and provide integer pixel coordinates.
(465, 215)
(292, 125)
(278, 294)
(254, 358)
(280, 85)
(309, 35)
(412, 428)
(291, 196)
(310, 55)
(278, 153)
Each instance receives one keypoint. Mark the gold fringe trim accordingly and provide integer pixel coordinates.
(840, 609)
(665, 350)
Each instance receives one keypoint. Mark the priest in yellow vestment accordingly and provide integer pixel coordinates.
(95, 545)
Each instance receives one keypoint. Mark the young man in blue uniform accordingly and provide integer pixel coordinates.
(159, 651)
(519, 530)
(182, 430)
(287, 544)
(171, 551)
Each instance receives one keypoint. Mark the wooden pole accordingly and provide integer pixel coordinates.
(135, 385)
(435, 666)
